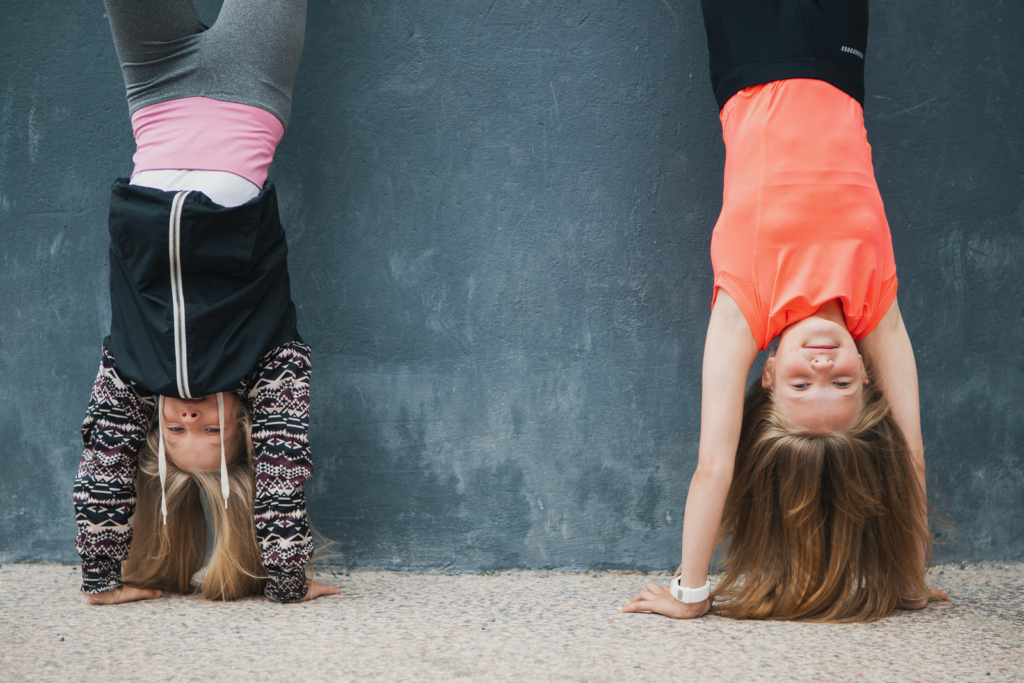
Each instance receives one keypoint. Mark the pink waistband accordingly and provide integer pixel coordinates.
(203, 134)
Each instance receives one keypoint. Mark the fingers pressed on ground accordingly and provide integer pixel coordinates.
(131, 594)
(119, 596)
(638, 606)
(912, 605)
(317, 590)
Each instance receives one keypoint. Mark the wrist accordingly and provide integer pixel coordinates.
(688, 595)
(100, 576)
(694, 610)
(286, 586)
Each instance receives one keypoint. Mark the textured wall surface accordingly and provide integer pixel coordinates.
(499, 216)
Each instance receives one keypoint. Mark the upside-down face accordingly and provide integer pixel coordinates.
(817, 375)
(191, 431)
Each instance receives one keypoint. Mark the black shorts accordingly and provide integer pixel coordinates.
(758, 41)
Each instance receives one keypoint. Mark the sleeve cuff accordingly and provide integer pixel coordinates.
(100, 576)
(286, 586)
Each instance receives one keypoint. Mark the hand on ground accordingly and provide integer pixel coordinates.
(657, 599)
(932, 594)
(122, 595)
(318, 589)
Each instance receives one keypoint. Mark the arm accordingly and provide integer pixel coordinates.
(891, 358)
(277, 396)
(729, 353)
(890, 355)
(114, 430)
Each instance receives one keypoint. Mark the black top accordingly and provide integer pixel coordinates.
(198, 324)
(758, 41)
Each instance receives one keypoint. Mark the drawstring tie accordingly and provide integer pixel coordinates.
(224, 488)
(161, 457)
(161, 462)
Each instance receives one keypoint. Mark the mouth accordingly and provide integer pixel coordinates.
(822, 347)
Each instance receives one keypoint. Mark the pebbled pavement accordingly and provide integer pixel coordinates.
(504, 626)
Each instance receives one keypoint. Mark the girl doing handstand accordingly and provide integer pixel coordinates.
(202, 398)
(815, 481)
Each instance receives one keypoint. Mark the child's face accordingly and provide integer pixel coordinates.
(191, 429)
(818, 376)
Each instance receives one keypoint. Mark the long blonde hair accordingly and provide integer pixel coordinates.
(167, 557)
(821, 527)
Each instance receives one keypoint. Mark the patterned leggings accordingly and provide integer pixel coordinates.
(249, 55)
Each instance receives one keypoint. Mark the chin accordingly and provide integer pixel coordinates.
(809, 330)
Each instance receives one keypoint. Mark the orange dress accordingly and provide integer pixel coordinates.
(802, 221)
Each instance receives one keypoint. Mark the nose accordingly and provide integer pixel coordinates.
(190, 414)
(821, 363)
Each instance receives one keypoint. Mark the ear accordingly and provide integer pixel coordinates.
(767, 373)
(863, 370)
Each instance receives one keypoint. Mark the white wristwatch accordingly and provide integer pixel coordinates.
(690, 595)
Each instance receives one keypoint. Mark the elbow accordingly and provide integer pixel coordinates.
(917, 460)
(713, 471)
(918, 463)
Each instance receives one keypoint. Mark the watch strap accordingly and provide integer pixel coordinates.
(689, 595)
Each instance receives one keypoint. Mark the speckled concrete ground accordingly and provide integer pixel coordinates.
(506, 626)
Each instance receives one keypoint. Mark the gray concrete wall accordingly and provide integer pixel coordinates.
(499, 217)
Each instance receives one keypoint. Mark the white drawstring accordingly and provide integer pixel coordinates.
(161, 459)
(224, 488)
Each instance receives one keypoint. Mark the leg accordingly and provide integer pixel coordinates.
(252, 53)
(249, 56)
(154, 40)
(144, 30)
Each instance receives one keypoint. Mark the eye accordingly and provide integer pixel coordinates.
(800, 387)
(212, 430)
(176, 429)
(842, 385)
